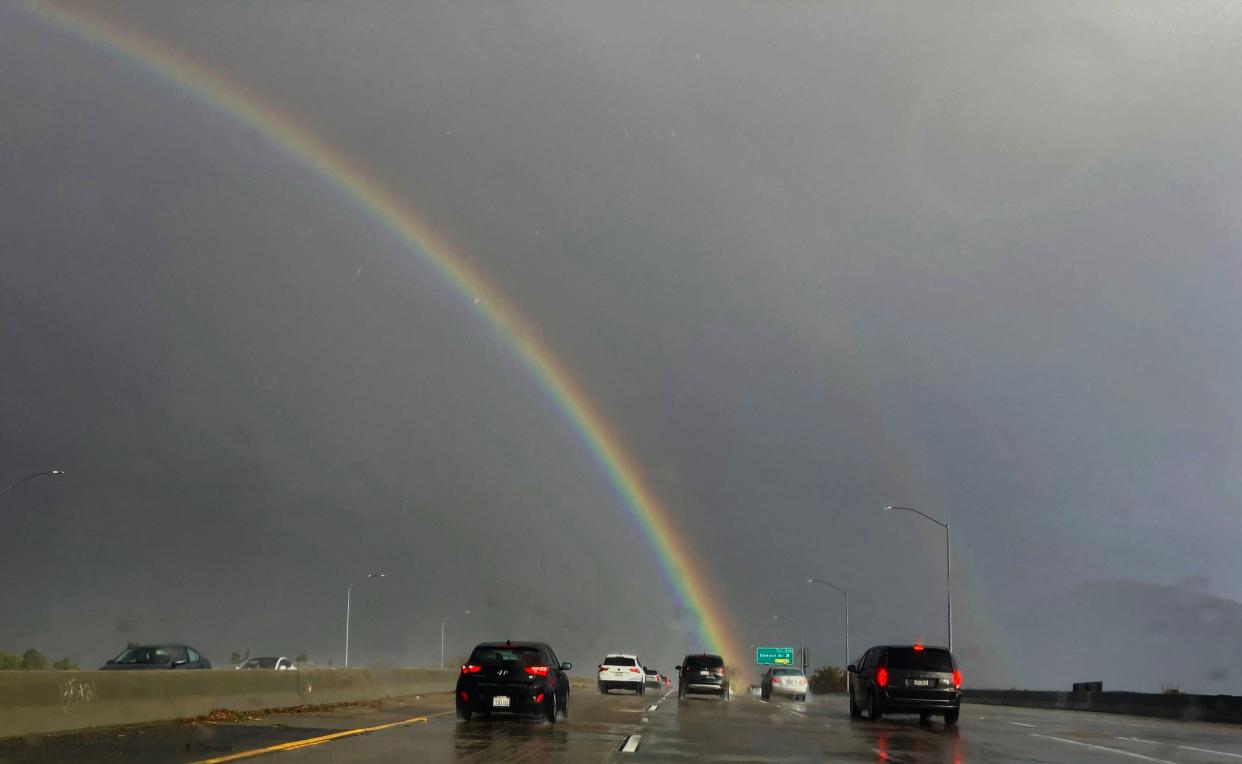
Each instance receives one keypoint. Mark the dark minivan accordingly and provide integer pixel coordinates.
(515, 678)
(906, 679)
(703, 674)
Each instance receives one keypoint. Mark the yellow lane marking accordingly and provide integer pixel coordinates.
(294, 745)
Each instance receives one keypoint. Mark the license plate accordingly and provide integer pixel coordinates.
(705, 673)
(921, 682)
(500, 701)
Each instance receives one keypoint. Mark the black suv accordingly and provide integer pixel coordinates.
(906, 679)
(515, 678)
(705, 674)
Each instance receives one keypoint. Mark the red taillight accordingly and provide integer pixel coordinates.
(603, 668)
(537, 670)
(636, 671)
(776, 680)
(465, 696)
(471, 669)
(957, 680)
(881, 677)
(918, 648)
(539, 698)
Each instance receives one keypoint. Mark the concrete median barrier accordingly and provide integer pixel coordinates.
(1203, 708)
(37, 702)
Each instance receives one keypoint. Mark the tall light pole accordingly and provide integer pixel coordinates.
(847, 615)
(348, 591)
(948, 581)
(47, 473)
(801, 639)
(442, 622)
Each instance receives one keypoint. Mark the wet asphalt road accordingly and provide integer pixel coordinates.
(656, 728)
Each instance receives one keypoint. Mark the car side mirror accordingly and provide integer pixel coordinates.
(566, 666)
(111, 661)
(676, 668)
(852, 669)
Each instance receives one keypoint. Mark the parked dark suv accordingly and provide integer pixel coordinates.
(906, 679)
(703, 674)
(515, 678)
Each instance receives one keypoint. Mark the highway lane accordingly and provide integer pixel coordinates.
(622, 728)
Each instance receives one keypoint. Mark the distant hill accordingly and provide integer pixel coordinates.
(1132, 636)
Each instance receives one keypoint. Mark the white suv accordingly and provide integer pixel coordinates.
(622, 672)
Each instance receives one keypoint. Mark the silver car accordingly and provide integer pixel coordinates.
(784, 680)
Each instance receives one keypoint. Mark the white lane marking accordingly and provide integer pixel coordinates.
(1021, 724)
(1094, 747)
(1208, 750)
(653, 707)
(631, 744)
(1184, 747)
(798, 713)
(761, 700)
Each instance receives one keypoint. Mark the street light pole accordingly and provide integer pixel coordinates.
(442, 622)
(348, 593)
(948, 581)
(47, 473)
(847, 614)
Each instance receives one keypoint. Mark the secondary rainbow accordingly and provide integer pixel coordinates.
(384, 206)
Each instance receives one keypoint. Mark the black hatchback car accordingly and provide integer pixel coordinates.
(514, 678)
(703, 674)
(906, 679)
(147, 657)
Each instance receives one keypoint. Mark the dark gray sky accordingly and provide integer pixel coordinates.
(811, 259)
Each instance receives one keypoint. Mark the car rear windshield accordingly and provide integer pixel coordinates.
(926, 659)
(787, 672)
(490, 656)
(704, 662)
(617, 660)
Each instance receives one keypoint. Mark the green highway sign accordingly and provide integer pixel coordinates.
(774, 656)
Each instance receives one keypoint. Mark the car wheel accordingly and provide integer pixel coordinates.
(924, 717)
(855, 711)
(642, 689)
(565, 706)
(603, 690)
(950, 717)
(725, 695)
(873, 708)
(549, 708)
(463, 712)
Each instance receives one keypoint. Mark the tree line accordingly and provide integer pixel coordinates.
(33, 660)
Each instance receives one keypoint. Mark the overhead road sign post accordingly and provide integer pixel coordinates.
(774, 656)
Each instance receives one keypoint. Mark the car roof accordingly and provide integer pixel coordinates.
(511, 643)
(621, 655)
(911, 646)
(157, 644)
(704, 655)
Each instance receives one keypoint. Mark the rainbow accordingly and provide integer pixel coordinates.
(385, 207)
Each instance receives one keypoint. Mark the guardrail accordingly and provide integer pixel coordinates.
(1202, 708)
(35, 702)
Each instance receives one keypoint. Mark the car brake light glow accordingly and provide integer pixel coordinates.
(471, 669)
(465, 696)
(537, 670)
(918, 648)
(635, 671)
(957, 680)
(539, 698)
(776, 680)
(881, 677)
